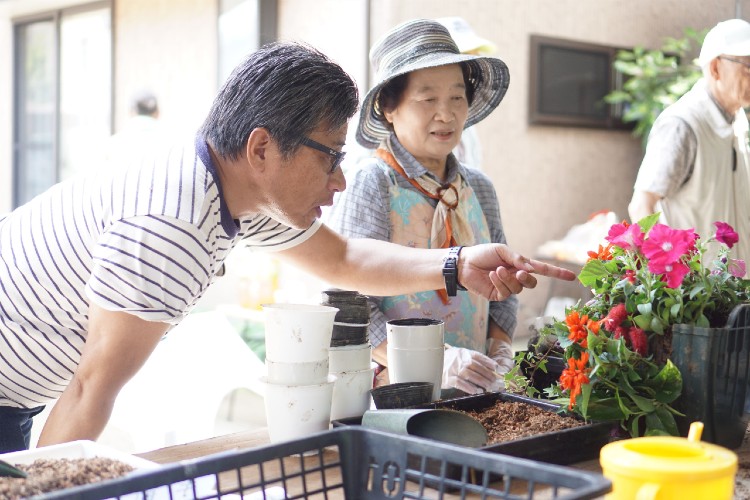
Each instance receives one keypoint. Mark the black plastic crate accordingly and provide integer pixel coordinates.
(353, 463)
(563, 447)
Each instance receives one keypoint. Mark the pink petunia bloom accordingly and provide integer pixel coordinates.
(666, 245)
(726, 234)
(736, 268)
(627, 237)
(673, 272)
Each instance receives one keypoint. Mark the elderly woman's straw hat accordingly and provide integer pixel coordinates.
(421, 44)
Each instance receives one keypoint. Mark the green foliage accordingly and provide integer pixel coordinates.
(515, 380)
(654, 79)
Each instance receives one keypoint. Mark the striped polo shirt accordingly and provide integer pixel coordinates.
(147, 239)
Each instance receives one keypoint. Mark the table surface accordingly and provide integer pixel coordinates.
(255, 438)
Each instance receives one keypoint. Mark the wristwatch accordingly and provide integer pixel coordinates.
(450, 271)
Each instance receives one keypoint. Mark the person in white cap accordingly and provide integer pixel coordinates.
(415, 193)
(696, 171)
(469, 150)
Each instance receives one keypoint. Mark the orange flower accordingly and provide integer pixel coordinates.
(593, 326)
(602, 254)
(577, 328)
(574, 376)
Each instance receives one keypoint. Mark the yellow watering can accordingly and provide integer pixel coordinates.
(666, 468)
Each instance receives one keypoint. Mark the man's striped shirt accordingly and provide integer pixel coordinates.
(147, 240)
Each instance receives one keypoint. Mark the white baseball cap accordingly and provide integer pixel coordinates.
(465, 38)
(731, 38)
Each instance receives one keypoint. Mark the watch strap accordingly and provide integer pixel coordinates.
(450, 271)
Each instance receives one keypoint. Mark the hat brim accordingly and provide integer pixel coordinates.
(490, 87)
(739, 49)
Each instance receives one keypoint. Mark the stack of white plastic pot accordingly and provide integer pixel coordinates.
(298, 387)
(350, 353)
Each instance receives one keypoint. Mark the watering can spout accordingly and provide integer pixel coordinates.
(695, 432)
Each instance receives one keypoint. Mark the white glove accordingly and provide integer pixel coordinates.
(469, 371)
(502, 353)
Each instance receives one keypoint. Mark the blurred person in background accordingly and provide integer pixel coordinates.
(415, 192)
(97, 269)
(469, 150)
(142, 132)
(696, 170)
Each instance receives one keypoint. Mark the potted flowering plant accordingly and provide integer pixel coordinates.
(617, 346)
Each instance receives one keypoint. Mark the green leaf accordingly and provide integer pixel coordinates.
(702, 321)
(585, 399)
(634, 426)
(667, 383)
(674, 311)
(656, 325)
(623, 407)
(642, 322)
(642, 403)
(644, 309)
(654, 426)
(592, 271)
(648, 222)
(605, 409)
(696, 290)
(667, 421)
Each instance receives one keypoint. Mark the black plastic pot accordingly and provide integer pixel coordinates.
(401, 395)
(715, 368)
(538, 378)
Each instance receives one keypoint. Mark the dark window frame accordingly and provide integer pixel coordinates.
(612, 117)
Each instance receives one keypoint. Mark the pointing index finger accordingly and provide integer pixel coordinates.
(546, 269)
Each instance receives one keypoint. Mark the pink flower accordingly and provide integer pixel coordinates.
(625, 236)
(673, 272)
(666, 245)
(736, 268)
(726, 234)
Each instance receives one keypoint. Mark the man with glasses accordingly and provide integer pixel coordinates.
(696, 170)
(96, 270)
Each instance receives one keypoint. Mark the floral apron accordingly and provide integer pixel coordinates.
(466, 314)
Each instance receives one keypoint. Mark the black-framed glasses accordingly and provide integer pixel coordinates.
(338, 156)
(743, 63)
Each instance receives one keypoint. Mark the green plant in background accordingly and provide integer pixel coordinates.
(654, 79)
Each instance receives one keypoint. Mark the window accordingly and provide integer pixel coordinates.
(569, 81)
(63, 90)
(244, 26)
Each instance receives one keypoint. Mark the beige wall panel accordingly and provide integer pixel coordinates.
(168, 46)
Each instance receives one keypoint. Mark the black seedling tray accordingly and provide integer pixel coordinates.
(563, 447)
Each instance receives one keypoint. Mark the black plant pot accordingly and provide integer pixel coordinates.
(538, 378)
(715, 368)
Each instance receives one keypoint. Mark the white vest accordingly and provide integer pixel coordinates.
(714, 192)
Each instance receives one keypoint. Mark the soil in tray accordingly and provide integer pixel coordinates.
(509, 420)
(47, 475)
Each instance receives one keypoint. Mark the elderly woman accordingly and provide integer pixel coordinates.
(415, 192)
